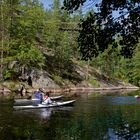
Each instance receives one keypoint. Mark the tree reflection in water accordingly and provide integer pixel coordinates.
(121, 129)
(92, 119)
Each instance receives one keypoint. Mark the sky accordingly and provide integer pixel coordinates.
(87, 5)
(46, 3)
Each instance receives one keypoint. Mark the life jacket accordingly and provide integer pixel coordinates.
(45, 97)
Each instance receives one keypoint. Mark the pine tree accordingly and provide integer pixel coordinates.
(25, 33)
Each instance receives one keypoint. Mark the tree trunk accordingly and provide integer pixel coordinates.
(2, 38)
(87, 75)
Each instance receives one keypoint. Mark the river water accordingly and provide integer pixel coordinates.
(110, 117)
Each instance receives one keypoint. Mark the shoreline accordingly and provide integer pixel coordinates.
(57, 91)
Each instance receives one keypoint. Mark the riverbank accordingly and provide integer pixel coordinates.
(63, 90)
(76, 82)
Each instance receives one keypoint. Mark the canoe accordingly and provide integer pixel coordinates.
(54, 104)
(31, 101)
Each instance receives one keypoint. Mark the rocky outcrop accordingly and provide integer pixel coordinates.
(4, 90)
(76, 82)
(41, 79)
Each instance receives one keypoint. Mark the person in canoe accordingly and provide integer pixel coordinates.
(39, 95)
(46, 99)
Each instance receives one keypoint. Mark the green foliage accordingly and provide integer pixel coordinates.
(31, 57)
(30, 35)
(24, 31)
(94, 82)
(32, 31)
(135, 69)
(72, 5)
(57, 79)
(60, 42)
(4, 34)
(9, 74)
(109, 26)
(87, 38)
(107, 62)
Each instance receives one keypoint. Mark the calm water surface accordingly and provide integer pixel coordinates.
(91, 118)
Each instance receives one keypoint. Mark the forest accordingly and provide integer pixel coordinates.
(55, 39)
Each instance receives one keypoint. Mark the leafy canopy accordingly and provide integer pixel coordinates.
(126, 25)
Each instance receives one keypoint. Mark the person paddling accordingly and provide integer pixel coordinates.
(38, 95)
(46, 99)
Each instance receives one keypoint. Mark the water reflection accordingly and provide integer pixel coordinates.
(123, 100)
(124, 130)
(44, 113)
(91, 118)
